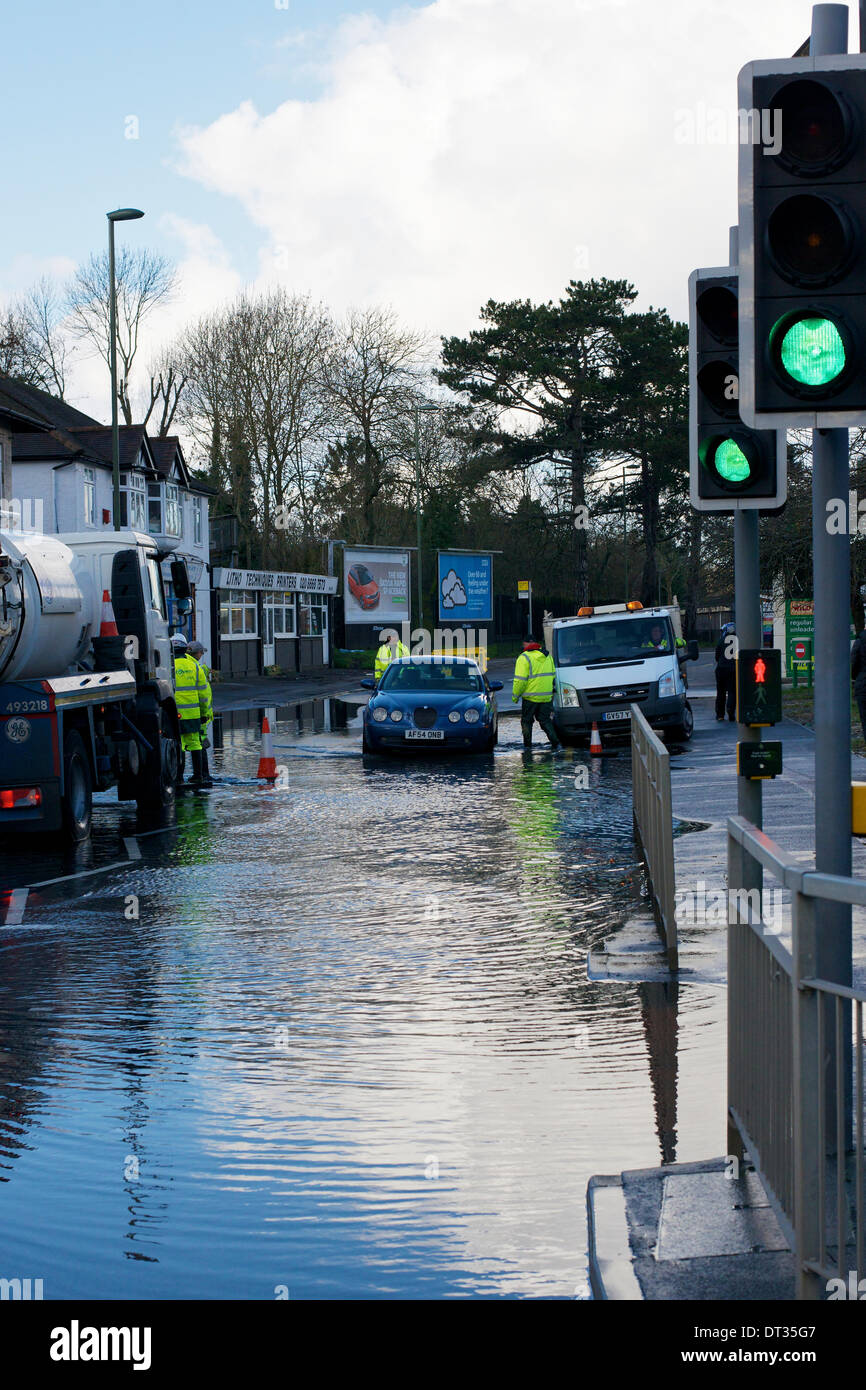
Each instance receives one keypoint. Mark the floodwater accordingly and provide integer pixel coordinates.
(336, 1038)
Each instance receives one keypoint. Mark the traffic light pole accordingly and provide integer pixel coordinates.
(832, 690)
(749, 624)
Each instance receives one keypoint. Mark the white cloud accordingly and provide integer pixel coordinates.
(496, 148)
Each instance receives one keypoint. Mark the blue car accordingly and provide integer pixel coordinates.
(431, 702)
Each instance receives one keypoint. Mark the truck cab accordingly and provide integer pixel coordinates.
(609, 658)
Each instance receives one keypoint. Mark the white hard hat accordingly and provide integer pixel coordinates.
(179, 642)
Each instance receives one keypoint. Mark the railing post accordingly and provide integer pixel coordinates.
(807, 1117)
(735, 878)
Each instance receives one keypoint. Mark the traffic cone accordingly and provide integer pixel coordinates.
(595, 748)
(267, 762)
(107, 627)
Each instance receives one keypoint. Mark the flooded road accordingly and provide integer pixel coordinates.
(335, 1038)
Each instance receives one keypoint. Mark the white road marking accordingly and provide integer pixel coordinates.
(17, 904)
(132, 849)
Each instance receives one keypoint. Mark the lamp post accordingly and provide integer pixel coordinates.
(631, 478)
(119, 215)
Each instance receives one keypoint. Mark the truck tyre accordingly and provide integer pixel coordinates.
(681, 733)
(156, 781)
(77, 788)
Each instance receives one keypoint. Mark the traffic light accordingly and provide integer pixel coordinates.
(803, 242)
(759, 686)
(731, 466)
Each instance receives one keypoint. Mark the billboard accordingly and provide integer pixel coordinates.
(465, 588)
(376, 586)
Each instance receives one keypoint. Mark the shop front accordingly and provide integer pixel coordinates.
(272, 622)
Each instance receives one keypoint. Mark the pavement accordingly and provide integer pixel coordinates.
(699, 1231)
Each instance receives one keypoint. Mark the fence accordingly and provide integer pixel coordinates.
(651, 792)
(796, 1065)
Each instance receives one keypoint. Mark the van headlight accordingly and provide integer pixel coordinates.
(380, 714)
(471, 716)
(568, 695)
(667, 685)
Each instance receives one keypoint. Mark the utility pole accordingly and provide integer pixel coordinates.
(417, 413)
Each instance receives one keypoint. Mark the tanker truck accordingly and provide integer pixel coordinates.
(80, 710)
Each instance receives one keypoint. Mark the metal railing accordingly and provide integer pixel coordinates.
(796, 1065)
(653, 820)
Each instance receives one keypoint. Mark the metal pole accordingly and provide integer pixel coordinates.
(418, 511)
(832, 690)
(112, 354)
(749, 629)
(624, 533)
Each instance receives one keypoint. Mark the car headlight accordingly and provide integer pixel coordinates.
(380, 714)
(396, 715)
(667, 685)
(471, 716)
(569, 695)
(454, 717)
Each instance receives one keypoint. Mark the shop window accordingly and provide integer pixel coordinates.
(238, 614)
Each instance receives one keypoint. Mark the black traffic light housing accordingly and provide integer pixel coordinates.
(759, 686)
(731, 466)
(803, 242)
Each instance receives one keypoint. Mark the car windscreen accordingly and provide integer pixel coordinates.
(452, 680)
(629, 640)
(362, 575)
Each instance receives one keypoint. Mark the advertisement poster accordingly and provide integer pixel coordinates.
(465, 588)
(376, 586)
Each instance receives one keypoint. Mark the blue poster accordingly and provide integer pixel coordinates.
(465, 588)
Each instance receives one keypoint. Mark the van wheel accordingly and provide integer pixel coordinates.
(681, 733)
(77, 788)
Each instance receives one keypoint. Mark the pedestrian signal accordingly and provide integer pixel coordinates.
(759, 687)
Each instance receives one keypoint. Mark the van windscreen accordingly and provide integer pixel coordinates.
(630, 639)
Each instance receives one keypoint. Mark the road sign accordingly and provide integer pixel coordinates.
(523, 588)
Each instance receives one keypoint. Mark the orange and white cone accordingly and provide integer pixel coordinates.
(595, 747)
(108, 626)
(267, 762)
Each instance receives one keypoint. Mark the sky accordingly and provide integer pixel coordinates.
(428, 156)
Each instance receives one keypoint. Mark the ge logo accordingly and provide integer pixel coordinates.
(18, 730)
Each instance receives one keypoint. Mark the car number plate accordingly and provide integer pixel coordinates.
(424, 733)
(617, 714)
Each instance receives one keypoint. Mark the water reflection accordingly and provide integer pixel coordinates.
(347, 1043)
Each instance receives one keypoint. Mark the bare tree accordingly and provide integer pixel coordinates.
(144, 279)
(371, 375)
(168, 378)
(33, 345)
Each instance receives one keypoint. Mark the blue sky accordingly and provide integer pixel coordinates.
(80, 69)
(428, 156)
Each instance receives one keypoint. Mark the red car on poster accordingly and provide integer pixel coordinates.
(363, 587)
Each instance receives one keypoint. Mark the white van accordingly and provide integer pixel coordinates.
(608, 658)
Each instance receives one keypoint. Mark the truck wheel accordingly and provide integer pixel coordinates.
(156, 782)
(77, 788)
(681, 733)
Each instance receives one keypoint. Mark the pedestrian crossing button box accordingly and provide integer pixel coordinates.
(759, 762)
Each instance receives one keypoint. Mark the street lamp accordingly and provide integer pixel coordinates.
(119, 215)
(631, 478)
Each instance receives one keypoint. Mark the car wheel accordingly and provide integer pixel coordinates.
(77, 788)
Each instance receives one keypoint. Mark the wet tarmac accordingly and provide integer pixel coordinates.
(335, 1037)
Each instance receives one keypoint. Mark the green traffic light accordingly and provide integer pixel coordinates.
(731, 463)
(813, 352)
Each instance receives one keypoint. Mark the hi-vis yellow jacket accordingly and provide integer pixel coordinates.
(192, 695)
(385, 656)
(533, 676)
